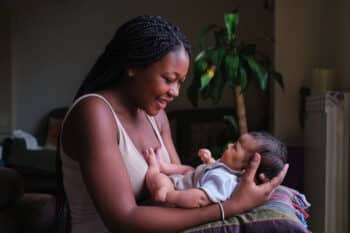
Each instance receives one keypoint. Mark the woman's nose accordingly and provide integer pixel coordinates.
(174, 90)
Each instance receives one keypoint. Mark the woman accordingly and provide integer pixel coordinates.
(117, 114)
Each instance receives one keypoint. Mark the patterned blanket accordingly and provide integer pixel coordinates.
(285, 212)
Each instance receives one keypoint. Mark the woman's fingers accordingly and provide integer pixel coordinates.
(271, 185)
(250, 172)
(279, 179)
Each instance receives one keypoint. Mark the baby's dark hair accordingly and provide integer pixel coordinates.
(273, 154)
(139, 42)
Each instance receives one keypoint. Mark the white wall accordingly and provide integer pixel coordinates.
(56, 42)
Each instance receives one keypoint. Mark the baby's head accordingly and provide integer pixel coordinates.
(273, 153)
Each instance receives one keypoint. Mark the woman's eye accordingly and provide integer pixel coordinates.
(169, 80)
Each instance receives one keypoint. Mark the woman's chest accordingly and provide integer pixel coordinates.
(142, 136)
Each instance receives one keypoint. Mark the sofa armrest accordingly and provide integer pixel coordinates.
(11, 187)
(28, 162)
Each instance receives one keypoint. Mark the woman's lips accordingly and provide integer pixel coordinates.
(162, 103)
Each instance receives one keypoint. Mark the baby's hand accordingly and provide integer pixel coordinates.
(150, 156)
(205, 155)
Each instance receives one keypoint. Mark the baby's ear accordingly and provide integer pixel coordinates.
(263, 178)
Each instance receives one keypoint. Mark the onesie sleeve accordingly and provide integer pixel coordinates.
(218, 184)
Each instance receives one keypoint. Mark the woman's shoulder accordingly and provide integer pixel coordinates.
(91, 105)
(92, 111)
(89, 119)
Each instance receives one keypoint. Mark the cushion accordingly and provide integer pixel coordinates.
(36, 212)
(284, 212)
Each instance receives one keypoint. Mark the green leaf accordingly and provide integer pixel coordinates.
(244, 77)
(205, 79)
(231, 68)
(232, 121)
(210, 56)
(220, 37)
(278, 78)
(201, 64)
(216, 87)
(244, 82)
(203, 34)
(258, 72)
(231, 21)
(221, 54)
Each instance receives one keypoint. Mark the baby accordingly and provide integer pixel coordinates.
(214, 180)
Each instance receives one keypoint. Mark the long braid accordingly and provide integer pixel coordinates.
(139, 42)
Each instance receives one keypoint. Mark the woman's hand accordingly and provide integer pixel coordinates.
(248, 194)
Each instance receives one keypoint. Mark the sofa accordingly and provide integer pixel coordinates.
(28, 187)
(22, 211)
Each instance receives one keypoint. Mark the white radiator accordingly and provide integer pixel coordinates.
(327, 140)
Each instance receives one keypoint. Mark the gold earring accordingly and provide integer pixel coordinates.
(130, 73)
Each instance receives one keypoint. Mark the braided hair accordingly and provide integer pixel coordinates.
(140, 42)
(273, 154)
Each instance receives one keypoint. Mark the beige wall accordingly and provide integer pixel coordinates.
(5, 71)
(56, 42)
(291, 55)
(340, 43)
(308, 34)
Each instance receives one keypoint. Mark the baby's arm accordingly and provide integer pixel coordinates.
(205, 155)
(170, 168)
(189, 198)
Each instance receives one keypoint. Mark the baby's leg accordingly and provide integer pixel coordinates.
(189, 198)
(157, 183)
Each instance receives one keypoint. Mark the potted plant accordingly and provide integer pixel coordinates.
(229, 62)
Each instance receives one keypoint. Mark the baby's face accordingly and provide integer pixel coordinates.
(237, 155)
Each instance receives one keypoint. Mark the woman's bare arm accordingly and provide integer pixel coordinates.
(92, 141)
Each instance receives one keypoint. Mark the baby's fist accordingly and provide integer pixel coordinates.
(205, 155)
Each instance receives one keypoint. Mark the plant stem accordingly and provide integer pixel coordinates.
(241, 115)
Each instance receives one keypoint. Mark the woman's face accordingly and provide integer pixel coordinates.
(159, 83)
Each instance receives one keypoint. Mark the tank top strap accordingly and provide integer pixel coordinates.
(159, 137)
(155, 128)
(89, 95)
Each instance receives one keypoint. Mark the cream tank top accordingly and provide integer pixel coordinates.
(84, 216)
